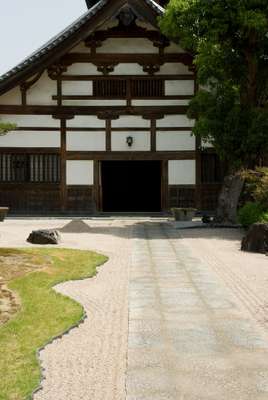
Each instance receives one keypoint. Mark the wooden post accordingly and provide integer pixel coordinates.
(153, 135)
(63, 156)
(108, 135)
(165, 194)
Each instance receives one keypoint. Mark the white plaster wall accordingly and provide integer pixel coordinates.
(86, 121)
(174, 141)
(174, 69)
(94, 103)
(79, 172)
(126, 45)
(83, 69)
(42, 91)
(174, 48)
(12, 97)
(181, 172)
(30, 139)
(175, 121)
(32, 120)
(77, 87)
(160, 102)
(141, 141)
(86, 141)
(128, 69)
(131, 121)
(175, 88)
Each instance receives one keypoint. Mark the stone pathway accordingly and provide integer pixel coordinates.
(189, 338)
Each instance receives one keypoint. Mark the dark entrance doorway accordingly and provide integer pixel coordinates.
(131, 186)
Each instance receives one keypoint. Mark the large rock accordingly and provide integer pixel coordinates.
(45, 236)
(256, 240)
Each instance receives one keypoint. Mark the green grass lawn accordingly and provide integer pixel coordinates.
(43, 314)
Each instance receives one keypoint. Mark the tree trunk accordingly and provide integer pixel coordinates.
(226, 212)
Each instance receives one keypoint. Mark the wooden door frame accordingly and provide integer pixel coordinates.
(98, 190)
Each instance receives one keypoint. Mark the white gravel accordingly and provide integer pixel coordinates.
(90, 362)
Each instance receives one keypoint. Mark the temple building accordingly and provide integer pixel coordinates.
(101, 116)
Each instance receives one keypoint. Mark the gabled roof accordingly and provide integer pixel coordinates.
(72, 35)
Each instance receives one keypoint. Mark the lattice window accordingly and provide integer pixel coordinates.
(136, 88)
(147, 88)
(30, 168)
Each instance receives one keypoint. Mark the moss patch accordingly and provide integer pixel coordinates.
(43, 313)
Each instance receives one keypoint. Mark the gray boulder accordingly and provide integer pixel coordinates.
(256, 240)
(44, 236)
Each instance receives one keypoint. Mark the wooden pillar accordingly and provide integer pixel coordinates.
(165, 194)
(63, 157)
(97, 186)
(198, 161)
(198, 166)
(108, 126)
(153, 135)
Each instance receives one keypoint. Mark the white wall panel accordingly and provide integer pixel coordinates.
(172, 141)
(32, 120)
(125, 45)
(79, 172)
(131, 121)
(86, 141)
(128, 69)
(141, 141)
(94, 102)
(175, 121)
(13, 97)
(174, 69)
(30, 139)
(175, 88)
(160, 102)
(42, 91)
(181, 172)
(83, 69)
(77, 87)
(86, 121)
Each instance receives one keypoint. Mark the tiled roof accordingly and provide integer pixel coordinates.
(66, 33)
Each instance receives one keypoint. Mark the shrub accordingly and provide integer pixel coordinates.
(256, 186)
(250, 213)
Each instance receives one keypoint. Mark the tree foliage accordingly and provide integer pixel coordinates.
(229, 42)
(6, 127)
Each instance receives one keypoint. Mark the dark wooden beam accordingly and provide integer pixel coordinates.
(108, 137)
(91, 110)
(117, 58)
(63, 155)
(180, 77)
(125, 155)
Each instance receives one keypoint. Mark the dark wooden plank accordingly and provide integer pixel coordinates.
(137, 155)
(64, 111)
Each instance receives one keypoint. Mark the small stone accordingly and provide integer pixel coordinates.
(256, 240)
(44, 237)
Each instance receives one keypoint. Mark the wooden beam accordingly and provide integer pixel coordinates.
(63, 156)
(136, 58)
(108, 135)
(153, 135)
(180, 77)
(91, 110)
(135, 155)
